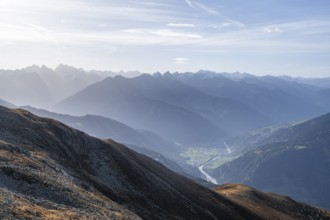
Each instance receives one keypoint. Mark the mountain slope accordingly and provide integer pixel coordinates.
(228, 114)
(6, 104)
(186, 114)
(51, 171)
(120, 99)
(104, 128)
(42, 86)
(64, 80)
(23, 88)
(60, 162)
(294, 161)
(267, 205)
(279, 99)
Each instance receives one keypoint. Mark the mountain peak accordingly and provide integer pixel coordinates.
(63, 68)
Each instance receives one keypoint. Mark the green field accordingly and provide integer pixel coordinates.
(221, 160)
(198, 156)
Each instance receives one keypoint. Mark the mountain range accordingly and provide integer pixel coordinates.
(281, 99)
(42, 86)
(205, 107)
(196, 122)
(169, 108)
(104, 128)
(293, 160)
(51, 171)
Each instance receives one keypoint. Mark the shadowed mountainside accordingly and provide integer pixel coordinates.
(169, 108)
(293, 160)
(51, 171)
(102, 127)
(48, 164)
(280, 99)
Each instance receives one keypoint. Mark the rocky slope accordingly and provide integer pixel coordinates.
(51, 171)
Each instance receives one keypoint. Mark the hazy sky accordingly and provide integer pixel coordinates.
(257, 36)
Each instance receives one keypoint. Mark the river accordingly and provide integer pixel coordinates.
(201, 167)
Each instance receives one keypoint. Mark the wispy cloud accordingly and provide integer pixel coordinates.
(294, 36)
(181, 60)
(271, 30)
(190, 4)
(213, 12)
(203, 7)
(180, 25)
(24, 31)
(164, 27)
(228, 23)
(206, 8)
(173, 34)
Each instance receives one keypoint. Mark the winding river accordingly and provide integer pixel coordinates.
(201, 167)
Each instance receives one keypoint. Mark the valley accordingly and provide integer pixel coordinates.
(60, 172)
(164, 110)
(206, 175)
(201, 135)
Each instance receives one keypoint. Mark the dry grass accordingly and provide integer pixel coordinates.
(268, 205)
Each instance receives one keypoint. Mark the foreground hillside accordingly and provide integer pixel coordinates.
(50, 171)
(293, 160)
(268, 205)
(47, 164)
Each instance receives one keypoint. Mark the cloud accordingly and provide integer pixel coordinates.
(190, 4)
(271, 30)
(222, 25)
(233, 22)
(25, 31)
(180, 25)
(172, 34)
(163, 33)
(294, 37)
(211, 11)
(228, 23)
(198, 5)
(206, 8)
(181, 60)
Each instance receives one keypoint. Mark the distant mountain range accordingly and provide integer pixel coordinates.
(51, 171)
(170, 115)
(220, 104)
(280, 99)
(292, 160)
(6, 104)
(171, 109)
(42, 86)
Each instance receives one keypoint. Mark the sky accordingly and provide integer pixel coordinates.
(276, 37)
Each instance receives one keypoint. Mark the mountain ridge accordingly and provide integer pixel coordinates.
(48, 169)
(293, 160)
